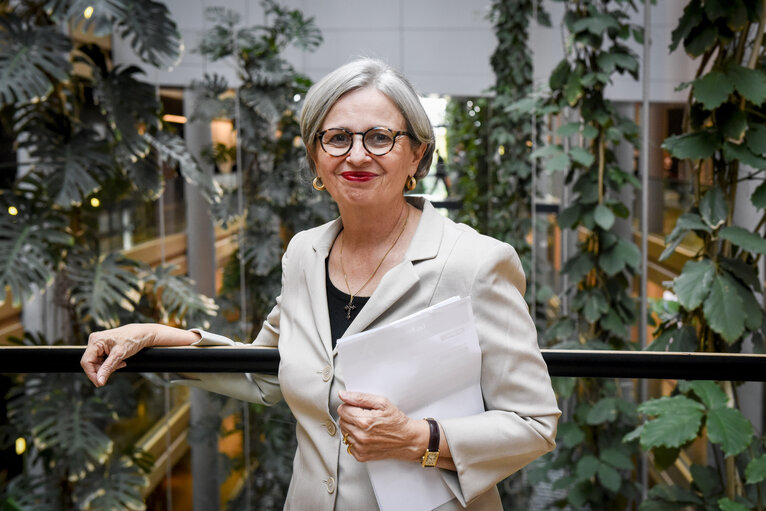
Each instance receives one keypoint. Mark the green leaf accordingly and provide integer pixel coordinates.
(151, 32)
(724, 309)
(573, 89)
(691, 17)
(733, 123)
(696, 145)
(694, 283)
(119, 485)
(595, 305)
(103, 286)
(570, 434)
(129, 104)
(759, 196)
(146, 178)
(609, 477)
(747, 240)
(712, 89)
(728, 427)
(756, 139)
(605, 410)
(743, 271)
(756, 470)
(560, 75)
(677, 421)
(713, 207)
(725, 504)
(568, 129)
(604, 217)
(581, 156)
(26, 261)
(30, 56)
(589, 131)
(617, 459)
(173, 148)
(699, 41)
(578, 266)
(178, 299)
(706, 480)
(587, 466)
(691, 221)
(710, 393)
(751, 83)
(742, 154)
(613, 260)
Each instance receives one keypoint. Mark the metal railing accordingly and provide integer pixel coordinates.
(224, 359)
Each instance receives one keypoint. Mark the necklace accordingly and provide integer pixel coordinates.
(350, 305)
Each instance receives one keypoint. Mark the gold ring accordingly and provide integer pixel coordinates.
(345, 438)
(348, 449)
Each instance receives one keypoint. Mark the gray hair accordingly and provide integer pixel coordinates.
(359, 74)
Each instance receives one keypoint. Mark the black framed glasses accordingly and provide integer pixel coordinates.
(377, 141)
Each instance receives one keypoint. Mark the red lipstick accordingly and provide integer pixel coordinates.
(358, 176)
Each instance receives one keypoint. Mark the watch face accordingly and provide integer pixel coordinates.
(430, 459)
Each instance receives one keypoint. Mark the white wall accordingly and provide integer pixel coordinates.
(443, 46)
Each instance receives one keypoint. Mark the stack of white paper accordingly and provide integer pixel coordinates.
(429, 365)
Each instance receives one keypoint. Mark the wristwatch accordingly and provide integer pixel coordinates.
(432, 453)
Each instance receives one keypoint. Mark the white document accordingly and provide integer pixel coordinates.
(429, 365)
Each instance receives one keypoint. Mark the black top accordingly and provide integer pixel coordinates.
(337, 301)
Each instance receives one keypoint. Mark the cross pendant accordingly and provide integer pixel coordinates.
(349, 308)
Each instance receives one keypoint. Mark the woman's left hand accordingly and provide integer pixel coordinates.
(376, 429)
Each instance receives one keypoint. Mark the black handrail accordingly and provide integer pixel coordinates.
(224, 359)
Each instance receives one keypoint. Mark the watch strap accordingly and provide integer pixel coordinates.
(433, 442)
(431, 455)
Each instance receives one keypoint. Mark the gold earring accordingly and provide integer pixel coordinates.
(411, 183)
(317, 184)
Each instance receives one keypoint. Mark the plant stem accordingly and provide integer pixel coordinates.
(601, 166)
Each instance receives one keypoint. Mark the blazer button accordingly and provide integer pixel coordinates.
(331, 429)
(326, 373)
(330, 485)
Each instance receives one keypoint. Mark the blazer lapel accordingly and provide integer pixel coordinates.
(314, 272)
(400, 279)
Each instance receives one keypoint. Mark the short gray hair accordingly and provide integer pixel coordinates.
(359, 74)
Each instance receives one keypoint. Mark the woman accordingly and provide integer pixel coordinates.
(368, 139)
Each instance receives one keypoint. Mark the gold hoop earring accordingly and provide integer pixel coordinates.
(318, 184)
(411, 183)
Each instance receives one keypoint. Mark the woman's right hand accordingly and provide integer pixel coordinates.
(108, 349)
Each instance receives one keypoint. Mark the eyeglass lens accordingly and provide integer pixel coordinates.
(338, 142)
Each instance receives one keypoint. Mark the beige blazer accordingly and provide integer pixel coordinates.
(443, 260)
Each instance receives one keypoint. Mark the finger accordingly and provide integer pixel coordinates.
(91, 361)
(110, 365)
(363, 400)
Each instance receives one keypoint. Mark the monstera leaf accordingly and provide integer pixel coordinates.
(213, 100)
(63, 424)
(292, 27)
(75, 167)
(102, 286)
(118, 487)
(29, 493)
(152, 33)
(129, 103)
(25, 258)
(30, 57)
(177, 297)
(173, 148)
(145, 24)
(146, 177)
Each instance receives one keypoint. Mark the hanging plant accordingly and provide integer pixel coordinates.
(591, 463)
(717, 306)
